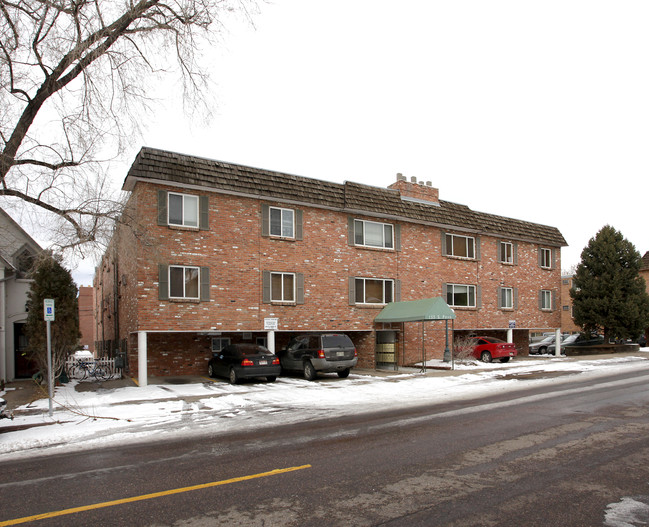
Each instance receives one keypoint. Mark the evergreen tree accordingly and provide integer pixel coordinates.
(52, 280)
(608, 293)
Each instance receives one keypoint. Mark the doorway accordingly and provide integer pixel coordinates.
(24, 366)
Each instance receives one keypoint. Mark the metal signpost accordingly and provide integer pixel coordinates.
(48, 308)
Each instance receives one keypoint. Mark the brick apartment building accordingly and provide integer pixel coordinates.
(211, 252)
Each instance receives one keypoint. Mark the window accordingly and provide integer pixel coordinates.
(183, 281)
(183, 210)
(461, 295)
(506, 300)
(373, 234)
(373, 291)
(218, 343)
(282, 222)
(282, 287)
(546, 300)
(460, 246)
(506, 252)
(545, 258)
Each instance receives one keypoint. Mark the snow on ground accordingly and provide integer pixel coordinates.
(108, 417)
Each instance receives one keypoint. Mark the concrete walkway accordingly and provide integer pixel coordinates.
(24, 392)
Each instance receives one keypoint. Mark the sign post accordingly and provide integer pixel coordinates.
(48, 308)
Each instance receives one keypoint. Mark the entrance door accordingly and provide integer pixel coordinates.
(25, 367)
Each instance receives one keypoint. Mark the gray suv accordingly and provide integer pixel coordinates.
(326, 353)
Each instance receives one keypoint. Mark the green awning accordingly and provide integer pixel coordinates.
(416, 310)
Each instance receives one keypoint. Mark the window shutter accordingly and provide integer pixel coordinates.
(445, 293)
(515, 251)
(500, 298)
(352, 289)
(397, 290)
(298, 224)
(553, 255)
(515, 299)
(162, 207)
(397, 237)
(203, 213)
(553, 296)
(265, 220)
(478, 297)
(205, 284)
(477, 247)
(350, 231)
(540, 256)
(541, 299)
(444, 253)
(266, 287)
(299, 287)
(163, 282)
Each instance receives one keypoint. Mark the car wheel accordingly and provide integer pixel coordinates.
(271, 378)
(210, 370)
(234, 378)
(309, 371)
(485, 356)
(504, 359)
(343, 374)
(543, 350)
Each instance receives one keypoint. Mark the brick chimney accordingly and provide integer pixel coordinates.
(413, 191)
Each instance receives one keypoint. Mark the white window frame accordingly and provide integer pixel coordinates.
(546, 300)
(185, 268)
(507, 298)
(506, 253)
(546, 258)
(218, 343)
(388, 289)
(185, 222)
(468, 247)
(282, 232)
(360, 227)
(282, 292)
(471, 291)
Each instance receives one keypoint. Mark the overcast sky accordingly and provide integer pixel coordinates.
(533, 110)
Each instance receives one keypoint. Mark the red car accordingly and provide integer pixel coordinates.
(488, 348)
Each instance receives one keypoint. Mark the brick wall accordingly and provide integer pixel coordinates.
(236, 255)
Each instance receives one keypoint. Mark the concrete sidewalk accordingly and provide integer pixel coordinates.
(22, 393)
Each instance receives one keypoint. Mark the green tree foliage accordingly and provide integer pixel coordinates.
(52, 280)
(608, 293)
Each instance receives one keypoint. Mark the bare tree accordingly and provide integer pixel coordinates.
(74, 77)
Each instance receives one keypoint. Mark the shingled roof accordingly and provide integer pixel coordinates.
(178, 169)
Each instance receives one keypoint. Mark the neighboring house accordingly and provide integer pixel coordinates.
(211, 252)
(567, 322)
(644, 273)
(17, 253)
(87, 318)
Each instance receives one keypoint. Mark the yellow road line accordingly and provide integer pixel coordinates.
(154, 495)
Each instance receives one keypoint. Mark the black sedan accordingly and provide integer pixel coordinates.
(244, 361)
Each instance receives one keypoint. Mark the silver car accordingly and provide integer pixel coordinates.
(326, 353)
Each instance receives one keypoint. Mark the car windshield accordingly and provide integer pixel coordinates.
(252, 349)
(570, 338)
(335, 341)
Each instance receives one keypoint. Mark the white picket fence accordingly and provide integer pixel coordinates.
(105, 364)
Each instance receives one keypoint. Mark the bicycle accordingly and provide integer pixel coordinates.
(83, 369)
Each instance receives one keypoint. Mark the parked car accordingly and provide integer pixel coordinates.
(577, 339)
(326, 353)
(488, 348)
(539, 348)
(244, 361)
